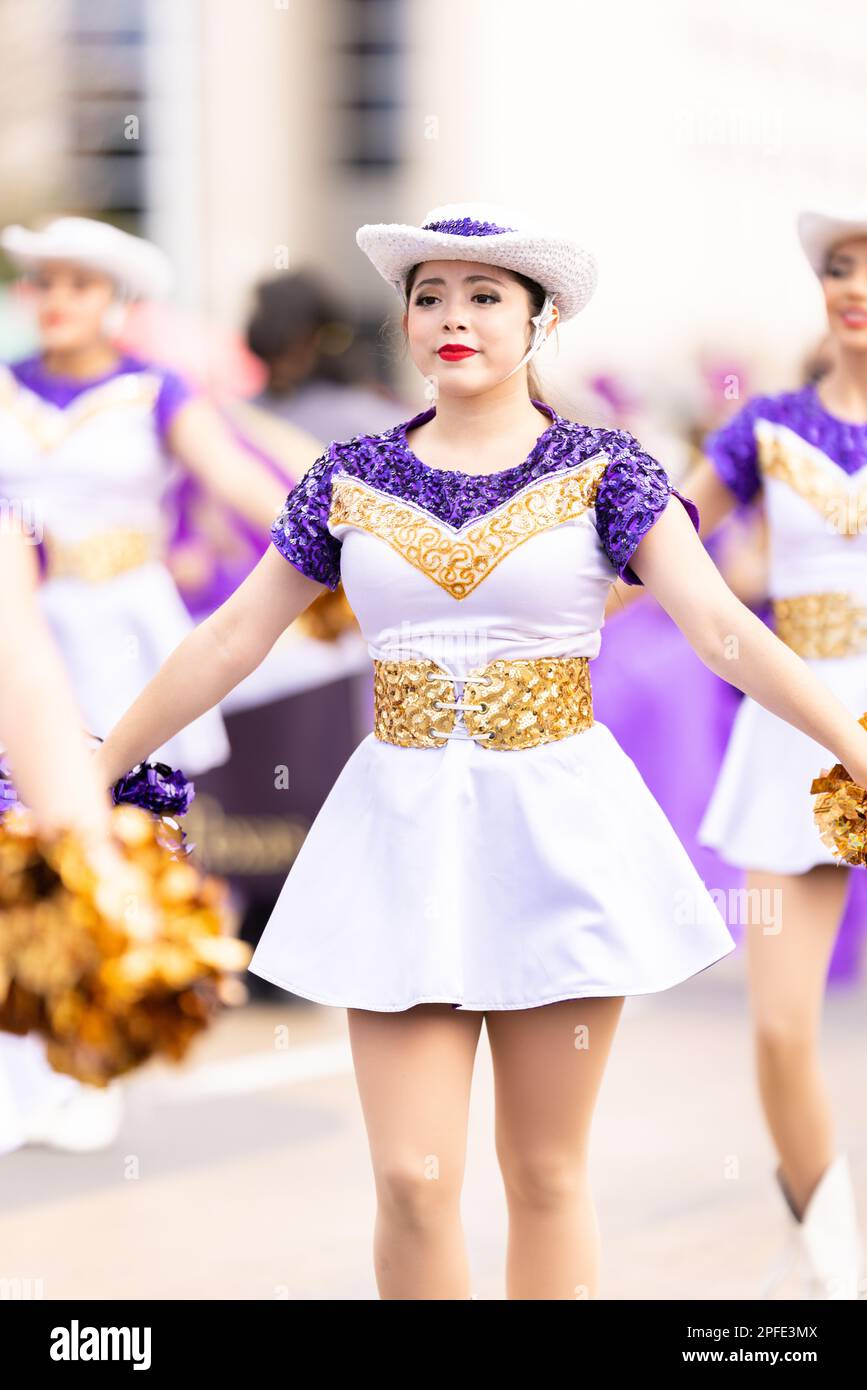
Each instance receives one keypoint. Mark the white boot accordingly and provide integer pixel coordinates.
(87, 1120)
(791, 1253)
(824, 1241)
(829, 1237)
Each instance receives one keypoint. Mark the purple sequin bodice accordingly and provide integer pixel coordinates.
(632, 492)
(733, 449)
(63, 391)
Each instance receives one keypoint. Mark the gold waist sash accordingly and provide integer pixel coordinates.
(102, 555)
(822, 625)
(506, 704)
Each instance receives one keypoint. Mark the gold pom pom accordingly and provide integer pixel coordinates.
(113, 955)
(327, 617)
(840, 812)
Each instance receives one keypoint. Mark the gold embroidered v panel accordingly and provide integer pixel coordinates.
(458, 559)
(50, 425)
(839, 497)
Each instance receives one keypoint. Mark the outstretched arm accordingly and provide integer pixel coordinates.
(209, 662)
(203, 442)
(288, 446)
(732, 642)
(40, 726)
(704, 486)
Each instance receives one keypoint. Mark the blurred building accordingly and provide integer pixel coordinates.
(245, 138)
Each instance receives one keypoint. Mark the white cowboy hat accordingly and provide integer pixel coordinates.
(819, 231)
(490, 234)
(140, 269)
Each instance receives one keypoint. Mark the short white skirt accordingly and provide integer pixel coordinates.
(114, 636)
(760, 814)
(489, 879)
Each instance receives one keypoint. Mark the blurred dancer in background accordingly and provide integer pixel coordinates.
(312, 697)
(804, 453)
(317, 370)
(645, 652)
(317, 382)
(89, 439)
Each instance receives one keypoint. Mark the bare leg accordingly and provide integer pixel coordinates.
(414, 1071)
(548, 1066)
(787, 970)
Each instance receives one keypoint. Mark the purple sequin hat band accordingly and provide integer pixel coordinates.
(467, 226)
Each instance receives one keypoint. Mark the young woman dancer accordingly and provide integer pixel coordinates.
(804, 453)
(488, 851)
(90, 440)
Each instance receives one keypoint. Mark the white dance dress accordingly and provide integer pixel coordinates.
(487, 878)
(86, 463)
(810, 468)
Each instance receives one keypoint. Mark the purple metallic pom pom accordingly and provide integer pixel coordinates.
(155, 787)
(8, 795)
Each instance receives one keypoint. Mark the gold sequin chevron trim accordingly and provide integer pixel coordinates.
(48, 425)
(458, 560)
(840, 500)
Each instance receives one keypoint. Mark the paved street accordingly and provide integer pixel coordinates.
(245, 1175)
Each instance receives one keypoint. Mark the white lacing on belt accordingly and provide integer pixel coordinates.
(449, 704)
(460, 704)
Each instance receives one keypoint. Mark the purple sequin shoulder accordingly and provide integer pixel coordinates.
(632, 492)
(300, 530)
(732, 448)
(841, 440)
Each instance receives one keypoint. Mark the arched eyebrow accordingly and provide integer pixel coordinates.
(468, 279)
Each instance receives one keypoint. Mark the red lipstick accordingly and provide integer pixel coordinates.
(453, 352)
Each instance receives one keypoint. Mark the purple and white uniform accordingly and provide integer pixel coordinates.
(481, 877)
(810, 469)
(87, 463)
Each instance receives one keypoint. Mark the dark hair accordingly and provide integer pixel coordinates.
(294, 308)
(537, 299)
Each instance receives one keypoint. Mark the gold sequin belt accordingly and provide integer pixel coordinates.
(822, 625)
(506, 704)
(100, 556)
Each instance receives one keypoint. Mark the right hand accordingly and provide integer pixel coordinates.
(124, 893)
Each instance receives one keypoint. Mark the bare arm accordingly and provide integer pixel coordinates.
(40, 725)
(736, 645)
(209, 662)
(287, 444)
(704, 486)
(202, 441)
